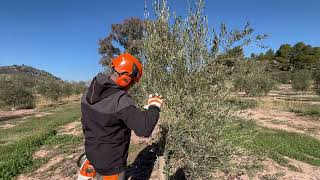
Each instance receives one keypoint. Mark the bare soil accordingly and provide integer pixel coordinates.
(59, 166)
(41, 114)
(284, 120)
(5, 115)
(296, 170)
(149, 162)
(299, 170)
(7, 126)
(9, 119)
(73, 128)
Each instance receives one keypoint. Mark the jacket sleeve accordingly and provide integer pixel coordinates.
(141, 122)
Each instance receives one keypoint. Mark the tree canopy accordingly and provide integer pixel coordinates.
(126, 34)
(296, 57)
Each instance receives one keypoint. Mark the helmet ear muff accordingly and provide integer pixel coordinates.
(123, 80)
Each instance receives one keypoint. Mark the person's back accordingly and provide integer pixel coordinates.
(108, 116)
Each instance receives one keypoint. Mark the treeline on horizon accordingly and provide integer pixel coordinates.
(291, 57)
(298, 65)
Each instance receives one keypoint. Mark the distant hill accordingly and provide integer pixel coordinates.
(25, 70)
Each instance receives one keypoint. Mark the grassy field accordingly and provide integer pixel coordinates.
(19, 143)
(275, 144)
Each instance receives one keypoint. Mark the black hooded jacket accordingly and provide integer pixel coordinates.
(108, 116)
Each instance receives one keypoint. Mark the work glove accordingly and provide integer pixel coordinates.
(155, 100)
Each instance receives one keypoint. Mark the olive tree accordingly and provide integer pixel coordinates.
(194, 78)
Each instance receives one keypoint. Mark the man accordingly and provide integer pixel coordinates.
(109, 115)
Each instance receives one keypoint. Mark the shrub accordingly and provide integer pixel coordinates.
(252, 78)
(302, 80)
(14, 94)
(180, 66)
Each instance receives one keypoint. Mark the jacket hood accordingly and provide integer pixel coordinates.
(101, 87)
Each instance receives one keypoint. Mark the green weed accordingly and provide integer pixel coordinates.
(17, 157)
(276, 144)
(64, 140)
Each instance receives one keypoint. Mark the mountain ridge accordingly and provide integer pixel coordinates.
(25, 70)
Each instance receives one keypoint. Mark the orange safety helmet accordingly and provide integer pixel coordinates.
(128, 67)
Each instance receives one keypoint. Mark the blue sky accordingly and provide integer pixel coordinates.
(60, 36)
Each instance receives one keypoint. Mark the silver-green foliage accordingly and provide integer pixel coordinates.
(185, 65)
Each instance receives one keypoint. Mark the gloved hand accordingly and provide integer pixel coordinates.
(155, 100)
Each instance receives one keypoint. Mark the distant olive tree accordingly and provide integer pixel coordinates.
(50, 88)
(252, 78)
(56, 89)
(15, 94)
(79, 87)
(301, 80)
(66, 89)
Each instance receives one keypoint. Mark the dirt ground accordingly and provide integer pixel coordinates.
(4, 115)
(273, 116)
(73, 128)
(8, 119)
(302, 170)
(147, 163)
(272, 171)
(288, 121)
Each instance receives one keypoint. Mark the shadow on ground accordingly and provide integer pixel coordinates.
(141, 168)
